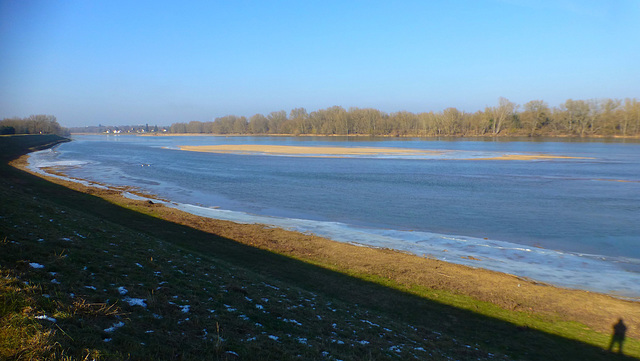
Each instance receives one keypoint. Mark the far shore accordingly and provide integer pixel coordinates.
(597, 311)
(420, 136)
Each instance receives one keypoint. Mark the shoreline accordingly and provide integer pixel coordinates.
(505, 290)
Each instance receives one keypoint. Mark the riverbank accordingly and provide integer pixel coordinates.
(488, 304)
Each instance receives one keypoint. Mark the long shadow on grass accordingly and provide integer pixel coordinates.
(494, 334)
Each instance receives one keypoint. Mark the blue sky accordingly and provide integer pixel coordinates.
(159, 62)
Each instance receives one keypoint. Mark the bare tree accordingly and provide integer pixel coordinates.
(536, 113)
(501, 113)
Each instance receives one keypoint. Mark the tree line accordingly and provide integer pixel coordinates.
(34, 124)
(601, 117)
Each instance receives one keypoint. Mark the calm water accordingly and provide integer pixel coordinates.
(557, 221)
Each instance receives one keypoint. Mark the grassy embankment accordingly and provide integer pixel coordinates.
(198, 288)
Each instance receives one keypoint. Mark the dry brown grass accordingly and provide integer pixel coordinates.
(21, 337)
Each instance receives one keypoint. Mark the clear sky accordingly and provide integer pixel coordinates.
(158, 62)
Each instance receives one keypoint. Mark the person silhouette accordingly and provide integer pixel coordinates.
(619, 331)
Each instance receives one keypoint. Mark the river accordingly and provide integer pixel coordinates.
(572, 222)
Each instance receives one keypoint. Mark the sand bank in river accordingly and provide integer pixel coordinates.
(298, 150)
(350, 151)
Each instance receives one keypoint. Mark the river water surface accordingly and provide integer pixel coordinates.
(572, 222)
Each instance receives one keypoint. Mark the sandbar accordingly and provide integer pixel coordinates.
(248, 149)
(301, 150)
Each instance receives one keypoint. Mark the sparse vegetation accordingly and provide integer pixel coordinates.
(108, 279)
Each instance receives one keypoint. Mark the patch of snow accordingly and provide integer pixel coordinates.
(292, 321)
(107, 340)
(275, 338)
(270, 286)
(184, 309)
(139, 265)
(36, 265)
(90, 287)
(135, 301)
(45, 317)
(55, 281)
(232, 353)
(115, 326)
(370, 323)
(123, 291)
(260, 307)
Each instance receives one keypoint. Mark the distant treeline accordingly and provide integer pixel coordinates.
(34, 124)
(603, 117)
